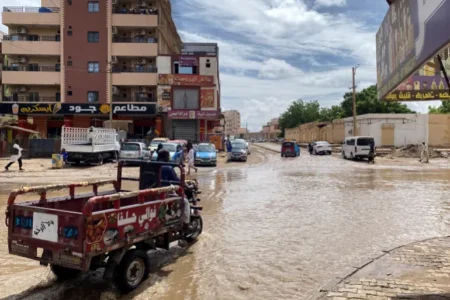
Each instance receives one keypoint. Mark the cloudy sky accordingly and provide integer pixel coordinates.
(275, 51)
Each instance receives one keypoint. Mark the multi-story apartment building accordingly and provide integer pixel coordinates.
(232, 122)
(189, 91)
(72, 62)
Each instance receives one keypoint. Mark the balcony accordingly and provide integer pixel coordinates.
(134, 76)
(36, 16)
(32, 97)
(31, 45)
(135, 18)
(27, 75)
(140, 99)
(135, 46)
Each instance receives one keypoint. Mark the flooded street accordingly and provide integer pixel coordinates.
(280, 229)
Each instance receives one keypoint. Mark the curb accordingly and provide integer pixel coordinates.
(327, 287)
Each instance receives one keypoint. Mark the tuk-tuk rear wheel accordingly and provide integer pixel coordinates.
(132, 270)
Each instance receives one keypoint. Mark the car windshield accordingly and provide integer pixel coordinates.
(206, 148)
(364, 141)
(238, 145)
(131, 147)
(155, 143)
(170, 147)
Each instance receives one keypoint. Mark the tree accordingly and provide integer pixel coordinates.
(444, 108)
(367, 103)
(299, 112)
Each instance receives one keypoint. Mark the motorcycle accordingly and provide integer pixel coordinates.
(195, 226)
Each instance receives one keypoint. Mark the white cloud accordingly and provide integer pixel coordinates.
(328, 3)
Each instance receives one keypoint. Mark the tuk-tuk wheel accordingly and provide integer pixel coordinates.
(63, 273)
(132, 270)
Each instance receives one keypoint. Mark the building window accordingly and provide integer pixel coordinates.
(92, 96)
(69, 63)
(184, 69)
(93, 37)
(185, 99)
(69, 93)
(93, 7)
(93, 67)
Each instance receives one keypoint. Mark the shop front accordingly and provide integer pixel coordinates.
(49, 118)
(193, 125)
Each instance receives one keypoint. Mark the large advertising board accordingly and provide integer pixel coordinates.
(412, 32)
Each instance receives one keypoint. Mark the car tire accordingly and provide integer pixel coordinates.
(343, 155)
(351, 156)
(329, 152)
(314, 152)
(133, 259)
(100, 159)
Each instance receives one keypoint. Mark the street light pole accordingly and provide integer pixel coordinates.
(110, 95)
(354, 99)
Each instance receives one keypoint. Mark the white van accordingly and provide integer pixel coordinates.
(357, 147)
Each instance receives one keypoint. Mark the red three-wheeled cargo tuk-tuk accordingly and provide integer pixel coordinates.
(112, 229)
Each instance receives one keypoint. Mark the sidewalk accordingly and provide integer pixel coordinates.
(416, 271)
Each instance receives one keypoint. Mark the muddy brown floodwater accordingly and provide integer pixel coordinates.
(280, 229)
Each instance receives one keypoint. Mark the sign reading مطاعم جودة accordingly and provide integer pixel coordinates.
(76, 109)
(422, 95)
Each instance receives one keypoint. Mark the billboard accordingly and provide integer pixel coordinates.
(410, 34)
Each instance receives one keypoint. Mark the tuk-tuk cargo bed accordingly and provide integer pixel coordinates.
(69, 231)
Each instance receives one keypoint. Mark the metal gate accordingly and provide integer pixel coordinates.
(185, 130)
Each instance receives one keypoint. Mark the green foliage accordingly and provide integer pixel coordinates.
(300, 112)
(444, 108)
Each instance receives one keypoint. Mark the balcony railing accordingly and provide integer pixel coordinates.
(30, 98)
(145, 40)
(134, 99)
(32, 68)
(26, 9)
(136, 11)
(134, 69)
(32, 38)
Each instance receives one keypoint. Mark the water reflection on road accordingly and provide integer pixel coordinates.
(278, 230)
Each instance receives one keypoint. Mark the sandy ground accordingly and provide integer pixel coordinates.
(39, 171)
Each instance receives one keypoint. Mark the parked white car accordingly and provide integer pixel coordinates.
(322, 147)
(357, 147)
(134, 150)
(246, 144)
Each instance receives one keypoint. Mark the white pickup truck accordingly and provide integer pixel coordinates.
(90, 145)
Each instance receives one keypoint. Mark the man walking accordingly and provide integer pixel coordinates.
(424, 156)
(372, 153)
(16, 156)
(229, 149)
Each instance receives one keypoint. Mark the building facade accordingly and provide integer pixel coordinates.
(73, 62)
(189, 92)
(232, 122)
(271, 130)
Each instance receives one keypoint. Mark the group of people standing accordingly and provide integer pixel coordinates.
(179, 155)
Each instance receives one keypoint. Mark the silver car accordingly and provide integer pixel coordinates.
(134, 150)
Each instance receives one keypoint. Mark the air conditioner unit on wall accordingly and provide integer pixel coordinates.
(141, 61)
(22, 89)
(22, 59)
(142, 3)
(114, 60)
(115, 90)
(142, 89)
(142, 32)
(21, 30)
(115, 2)
(115, 30)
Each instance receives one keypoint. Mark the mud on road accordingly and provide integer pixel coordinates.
(275, 228)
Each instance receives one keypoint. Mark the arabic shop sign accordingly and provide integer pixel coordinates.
(411, 33)
(422, 95)
(188, 61)
(186, 80)
(194, 114)
(75, 109)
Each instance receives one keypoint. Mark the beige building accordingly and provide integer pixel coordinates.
(232, 122)
(66, 61)
(388, 130)
(271, 130)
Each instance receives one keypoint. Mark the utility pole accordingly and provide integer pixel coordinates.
(354, 99)
(110, 88)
